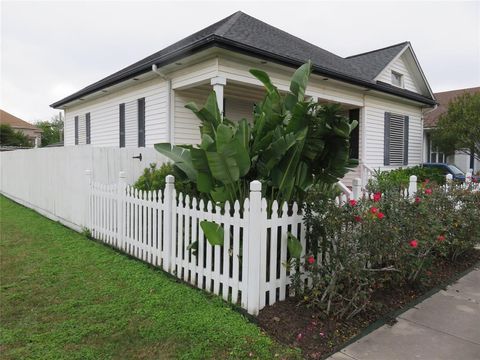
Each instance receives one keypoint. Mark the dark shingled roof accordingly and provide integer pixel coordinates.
(243, 33)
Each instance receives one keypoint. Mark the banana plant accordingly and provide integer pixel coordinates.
(293, 144)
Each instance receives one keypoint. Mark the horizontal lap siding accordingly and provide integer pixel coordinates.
(104, 115)
(400, 67)
(186, 123)
(375, 109)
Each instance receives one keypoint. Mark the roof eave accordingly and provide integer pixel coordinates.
(221, 42)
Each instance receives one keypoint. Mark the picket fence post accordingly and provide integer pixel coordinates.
(468, 176)
(412, 188)
(356, 188)
(121, 209)
(254, 240)
(88, 197)
(169, 217)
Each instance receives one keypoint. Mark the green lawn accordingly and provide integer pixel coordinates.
(66, 297)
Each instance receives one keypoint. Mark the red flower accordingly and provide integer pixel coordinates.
(427, 181)
(299, 336)
(418, 200)
(373, 210)
(353, 202)
(311, 259)
(377, 196)
(414, 243)
(380, 215)
(441, 237)
(357, 218)
(428, 191)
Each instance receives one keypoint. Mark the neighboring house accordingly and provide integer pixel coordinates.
(144, 103)
(31, 131)
(432, 154)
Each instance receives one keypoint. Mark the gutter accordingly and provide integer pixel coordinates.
(223, 43)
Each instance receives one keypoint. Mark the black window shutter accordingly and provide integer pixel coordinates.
(141, 122)
(386, 141)
(87, 127)
(76, 130)
(122, 124)
(405, 140)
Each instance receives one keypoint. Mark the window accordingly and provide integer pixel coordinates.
(396, 139)
(397, 79)
(76, 130)
(122, 124)
(434, 154)
(87, 128)
(141, 122)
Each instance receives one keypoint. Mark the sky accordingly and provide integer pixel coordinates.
(52, 49)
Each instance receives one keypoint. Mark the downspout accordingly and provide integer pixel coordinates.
(169, 102)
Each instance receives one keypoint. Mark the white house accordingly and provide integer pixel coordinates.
(143, 104)
(432, 154)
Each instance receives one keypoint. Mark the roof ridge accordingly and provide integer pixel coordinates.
(458, 90)
(376, 50)
(228, 24)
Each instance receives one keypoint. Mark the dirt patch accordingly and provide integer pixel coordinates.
(294, 324)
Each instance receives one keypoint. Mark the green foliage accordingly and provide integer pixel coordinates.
(399, 179)
(11, 137)
(52, 130)
(78, 299)
(153, 179)
(293, 144)
(386, 241)
(459, 128)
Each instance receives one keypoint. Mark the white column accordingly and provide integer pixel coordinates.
(218, 83)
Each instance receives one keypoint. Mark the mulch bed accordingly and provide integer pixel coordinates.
(294, 324)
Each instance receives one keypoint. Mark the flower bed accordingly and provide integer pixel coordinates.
(370, 256)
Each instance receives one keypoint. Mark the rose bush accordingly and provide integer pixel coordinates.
(385, 240)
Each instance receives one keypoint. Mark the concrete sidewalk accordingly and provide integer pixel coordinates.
(444, 326)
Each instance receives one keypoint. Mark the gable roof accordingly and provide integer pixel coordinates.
(15, 122)
(372, 63)
(444, 98)
(242, 33)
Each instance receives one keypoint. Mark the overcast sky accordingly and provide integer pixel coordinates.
(51, 49)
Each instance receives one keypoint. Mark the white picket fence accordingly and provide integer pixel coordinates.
(158, 227)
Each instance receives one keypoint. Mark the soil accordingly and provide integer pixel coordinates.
(293, 323)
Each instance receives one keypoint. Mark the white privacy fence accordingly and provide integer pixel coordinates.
(159, 228)
(52, 180)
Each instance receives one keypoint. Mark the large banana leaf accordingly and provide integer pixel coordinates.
(180, 156)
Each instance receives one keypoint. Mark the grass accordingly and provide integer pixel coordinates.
(66, 297)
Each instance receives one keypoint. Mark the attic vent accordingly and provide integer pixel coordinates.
(397, 79)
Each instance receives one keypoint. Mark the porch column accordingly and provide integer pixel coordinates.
(218, 83)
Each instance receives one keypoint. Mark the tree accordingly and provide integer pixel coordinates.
(52, 130)
(11, 137)
(459, 128)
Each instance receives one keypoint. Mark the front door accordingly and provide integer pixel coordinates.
(354, 114)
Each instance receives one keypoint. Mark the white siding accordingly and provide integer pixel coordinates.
(375, 109)
(186, 125)
(104, 115)
(399, 66)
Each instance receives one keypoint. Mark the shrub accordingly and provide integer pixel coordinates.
(399, 179)
(153, 179)
(386, 241)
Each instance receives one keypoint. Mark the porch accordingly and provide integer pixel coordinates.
(237, 99)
